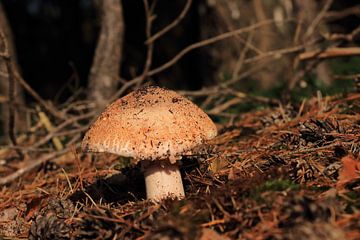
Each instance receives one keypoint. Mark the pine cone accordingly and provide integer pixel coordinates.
(50, 222)
(49, 227)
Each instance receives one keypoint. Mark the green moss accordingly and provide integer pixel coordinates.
(352, 195)
(345, 66)
(352, 199)
(279, 185)
(276, 185)
(319, 188)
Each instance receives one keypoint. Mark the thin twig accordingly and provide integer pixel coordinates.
(348, 37)
(48, 107)
(222, 107)
(57, 129)
(240, 62)
(200, 93)
(71, 132)
(230, 27)
(150, 47)
(28, 149)
(300, 74)
(278, 53)
(330, 53)
(45, 121)
(209, 41)
(238, 97)
(309, 32)
(206, 42)
(335, 15)
(255, 68)
(79, 106)
(31, 165)
(125, 87)
(151, 39)
(166, 29)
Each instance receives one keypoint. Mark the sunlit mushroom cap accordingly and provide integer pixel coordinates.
(150, 123)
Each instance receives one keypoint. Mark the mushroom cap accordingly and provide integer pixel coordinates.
(148, 124)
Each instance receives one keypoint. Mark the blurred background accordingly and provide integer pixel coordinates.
(277, 56)
(55, 41)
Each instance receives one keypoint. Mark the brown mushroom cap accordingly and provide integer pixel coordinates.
(150, 123)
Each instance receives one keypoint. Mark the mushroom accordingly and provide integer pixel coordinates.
(155, 126)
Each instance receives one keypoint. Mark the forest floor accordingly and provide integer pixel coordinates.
(287, 172)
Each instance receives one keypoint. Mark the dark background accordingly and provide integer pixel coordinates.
(55, 41)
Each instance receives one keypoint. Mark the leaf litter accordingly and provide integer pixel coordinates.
(279, 173)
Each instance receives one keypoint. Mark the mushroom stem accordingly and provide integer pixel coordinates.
(162, 180)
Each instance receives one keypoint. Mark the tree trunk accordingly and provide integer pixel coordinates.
(4, 79)
(104, 73)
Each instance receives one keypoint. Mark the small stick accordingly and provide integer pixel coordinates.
(216, 39)
(335, 15)
(31, 165)
(49, 127)
(57, 129)
(207, 42)
(319, 18)
(222, 107)
(331, 53)
(171, 25)
(348, 37)
(37, 97)
(212, 223)
(150, 47)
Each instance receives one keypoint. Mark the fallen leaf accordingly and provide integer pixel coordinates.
(209, 234)
(349, 172)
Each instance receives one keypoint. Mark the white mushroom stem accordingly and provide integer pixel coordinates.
(162, 180)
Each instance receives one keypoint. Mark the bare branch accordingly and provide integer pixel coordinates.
(318, 18)
(209, 41)
(331, 53)
(31, 165)
(348, 37)
(48, 107)
(171, 25)
(335, 15)
(125, 87)
(240, 62)
(61, 126)
(222, 107)
(150, 47)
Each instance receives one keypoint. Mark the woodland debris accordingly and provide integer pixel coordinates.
(275, 173)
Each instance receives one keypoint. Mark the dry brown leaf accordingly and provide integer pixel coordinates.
(209, 234)
(349, 172)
